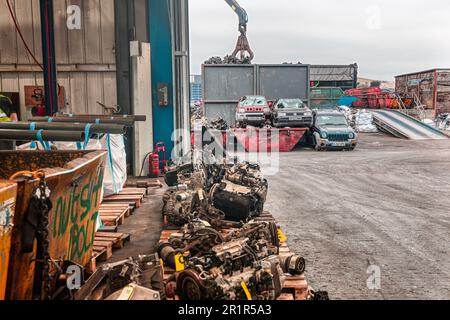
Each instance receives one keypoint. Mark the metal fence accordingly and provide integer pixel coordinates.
(223, 85)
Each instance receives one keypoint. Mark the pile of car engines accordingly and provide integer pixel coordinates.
(214, 193)
(220, 251)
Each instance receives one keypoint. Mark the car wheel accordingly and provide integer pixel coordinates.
(316, 145)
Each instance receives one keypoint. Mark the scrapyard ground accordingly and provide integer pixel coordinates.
(385, 204)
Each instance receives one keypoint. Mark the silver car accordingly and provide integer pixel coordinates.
(292, 113)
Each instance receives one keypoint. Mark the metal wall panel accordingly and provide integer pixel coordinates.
(224, 110)
(284, 81)
(85, 57)
(443, 91)
(228, 82)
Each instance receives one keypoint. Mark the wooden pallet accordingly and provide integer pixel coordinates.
(295, 287)
(149, 183)
(130, 196)
(104, 244)
(134, 191)
(114, 215)
(132, 200)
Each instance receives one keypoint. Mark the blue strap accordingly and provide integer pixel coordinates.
(32, 127)
(44, 144)
(87, 135)
(108, 141)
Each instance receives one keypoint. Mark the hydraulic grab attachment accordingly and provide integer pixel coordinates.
(242, 46)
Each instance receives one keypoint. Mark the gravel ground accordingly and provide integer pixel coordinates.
(385, 205)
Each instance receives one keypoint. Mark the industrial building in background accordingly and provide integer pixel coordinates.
(105, 63)
(429, 88)
(196, 88)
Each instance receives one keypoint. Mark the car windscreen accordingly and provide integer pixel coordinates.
(331, 120)
(254, 101)
(290, 104)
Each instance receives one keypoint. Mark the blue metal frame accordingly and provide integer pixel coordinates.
(162, 70)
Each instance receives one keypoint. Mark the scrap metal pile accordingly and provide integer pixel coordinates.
(219, 194)
(220, 251)
(228, 59)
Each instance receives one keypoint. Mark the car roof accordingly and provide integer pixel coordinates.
(289, 99)
(329, 113)
(257, 97)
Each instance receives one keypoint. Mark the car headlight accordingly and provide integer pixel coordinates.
(324, 135)
(282, 114)
(351, 135)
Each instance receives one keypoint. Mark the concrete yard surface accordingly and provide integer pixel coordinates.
(384, 207)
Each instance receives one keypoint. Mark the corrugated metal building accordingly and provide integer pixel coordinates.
(342, 76)
(431, 88)
(85, 55)
(103, 54)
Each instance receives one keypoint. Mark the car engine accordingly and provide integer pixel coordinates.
(242, 192)
(264, 280)
(240, 264)
(214, 193)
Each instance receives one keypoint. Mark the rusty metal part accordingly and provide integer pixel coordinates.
(124, 120)
(293, 264)
(263, 281)
(43, 278)
(189, 285)
(63, 136)
(8, 195)
(167, 254)
(135, 118)
(145, 184)
(243, 48)
(318, 295)
(96, 128)
(143, 271)
(75, 180)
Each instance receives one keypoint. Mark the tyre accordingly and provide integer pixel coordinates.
(316, 145)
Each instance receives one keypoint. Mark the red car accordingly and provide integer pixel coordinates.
(252, 110)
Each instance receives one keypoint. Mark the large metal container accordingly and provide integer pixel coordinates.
(430, 88)
(75, 180)
(325, 98)
(8, 193)
(224, 85)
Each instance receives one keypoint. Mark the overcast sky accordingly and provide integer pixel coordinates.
(385, 38)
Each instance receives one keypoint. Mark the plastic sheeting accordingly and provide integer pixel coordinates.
(364, 122)
(116, 166)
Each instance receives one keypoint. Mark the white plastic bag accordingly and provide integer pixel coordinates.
(116, 165)
(364, 122)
